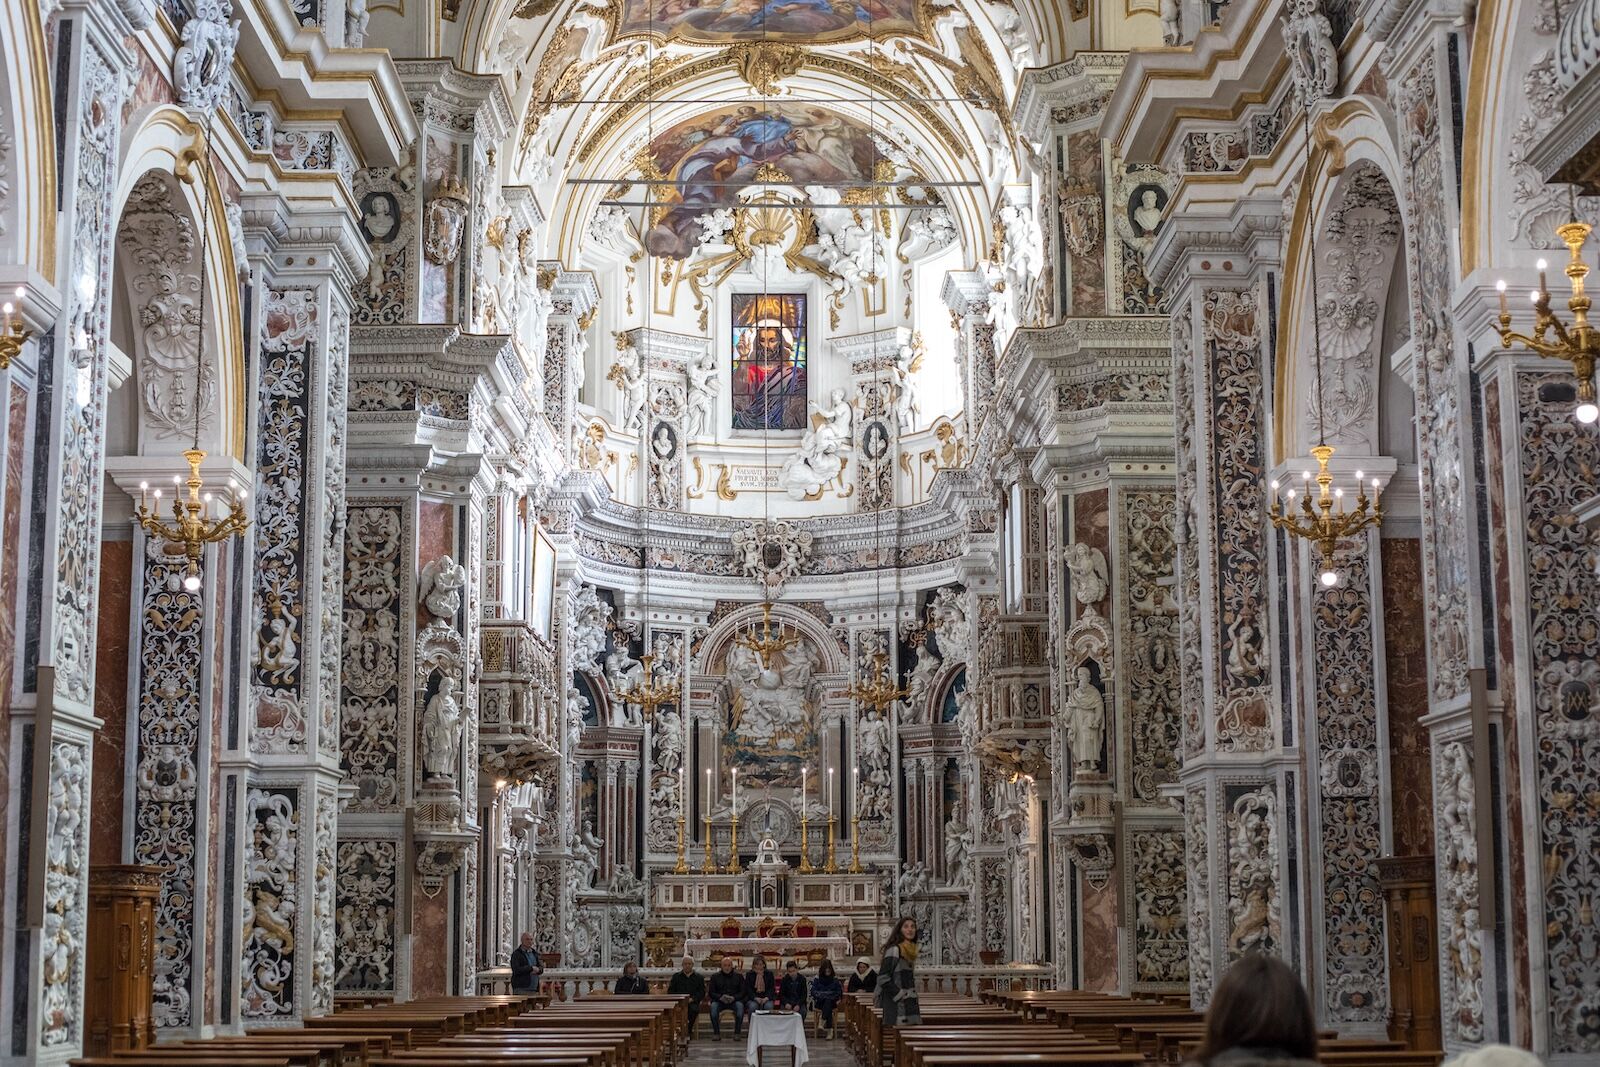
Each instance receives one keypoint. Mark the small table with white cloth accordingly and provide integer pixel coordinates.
(777, 1028)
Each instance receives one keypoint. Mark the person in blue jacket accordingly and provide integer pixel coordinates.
(826, 992)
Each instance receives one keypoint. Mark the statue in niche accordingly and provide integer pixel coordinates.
(957, 839)
(919, 687)
(769, 699)
(1087, 566)
(441, 732)
(823, 450)
(669, 738)
(913, 881)
(907, 406)
(1086, 721)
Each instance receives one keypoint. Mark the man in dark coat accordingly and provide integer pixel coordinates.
(692, 984)
(525, 967)
(726, 992)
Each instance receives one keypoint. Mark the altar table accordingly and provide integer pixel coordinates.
(783, 1028)
(773, 948)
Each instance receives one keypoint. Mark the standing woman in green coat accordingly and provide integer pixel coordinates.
(897, 978)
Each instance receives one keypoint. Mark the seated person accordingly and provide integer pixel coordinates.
(792, 988)
(759, 988)
(692, 984)
(864, 979)
(826, 992)
(725, 992)
(631, 982)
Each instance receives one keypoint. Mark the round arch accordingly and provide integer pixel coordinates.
(165, 141)
(1352, 144)
(28, 161)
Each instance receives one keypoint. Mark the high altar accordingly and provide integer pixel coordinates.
(768, 908)
(766, 822)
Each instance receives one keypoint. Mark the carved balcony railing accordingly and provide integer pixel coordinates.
(1014, 696)
(519, 702)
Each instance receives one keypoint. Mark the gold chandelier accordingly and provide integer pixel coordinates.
(192, 526)
(1327, 522)
(766, 645)
(647, 693)
(878, 692)
(14, 333)
(1578, 344)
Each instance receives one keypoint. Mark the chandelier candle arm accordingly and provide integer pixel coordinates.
(1577, 343)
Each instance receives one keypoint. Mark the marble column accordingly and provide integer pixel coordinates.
(307, 261)
(1242, 787)
(52, 725)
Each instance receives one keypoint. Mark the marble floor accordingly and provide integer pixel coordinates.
(706, 1052)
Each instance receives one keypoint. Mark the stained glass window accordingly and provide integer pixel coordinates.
(769, 361)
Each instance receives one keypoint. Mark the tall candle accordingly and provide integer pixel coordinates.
(733, 794)
(803, 771)
(855, 798)
(683, 790)
(708, 792)
(830, 794)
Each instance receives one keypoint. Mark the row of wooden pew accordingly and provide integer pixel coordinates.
(494, 1031)
(1034, 1028)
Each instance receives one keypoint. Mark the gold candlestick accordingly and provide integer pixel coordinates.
(805, 845)
(733, 850)
(683, 861)
(832, 866)
(855, 845)
(708, 867)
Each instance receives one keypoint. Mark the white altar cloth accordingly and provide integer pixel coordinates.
(835, 948)
(786, 1028)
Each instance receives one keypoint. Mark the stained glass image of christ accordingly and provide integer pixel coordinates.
(769, 361)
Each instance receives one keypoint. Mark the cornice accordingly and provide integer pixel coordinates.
(297, 63)
(1083, 79)
(440, 83)
(1160, 86)
(1249, 225)
(965, 292)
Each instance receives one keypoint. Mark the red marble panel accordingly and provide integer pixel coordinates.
(1405, 657)
(430, 956)
(1494, 446)
(1082, 179)
(1098, 943)
(111, 702)
(10, 535)
(436, 530)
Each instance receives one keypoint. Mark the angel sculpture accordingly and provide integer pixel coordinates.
(439, 588)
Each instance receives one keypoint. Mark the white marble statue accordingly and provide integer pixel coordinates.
(769, 702)
(1087, 566)
(585, 849)
(1022, 250)
(1086, 721)
(627, 373)
(913, 881)
(957, 839)
(668, 728)
(1171, 26)
(356, 18)
(439, 588)
(441, 732)
(919, 687)
(948, 619)
(623, 673)
(907, 405)
(822, 452)
(574, 722)
(697, 412)
(588, 629)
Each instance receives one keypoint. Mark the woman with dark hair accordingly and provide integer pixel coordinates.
(897, 978)
(826, 992)
(1259, 1015)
